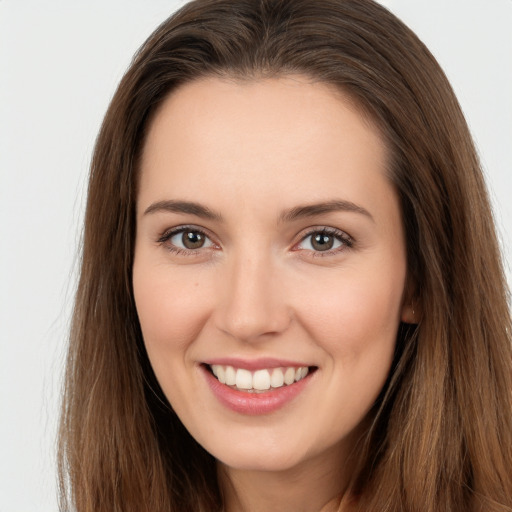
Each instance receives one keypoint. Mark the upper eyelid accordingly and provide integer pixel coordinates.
(323, 229)
(169, 232)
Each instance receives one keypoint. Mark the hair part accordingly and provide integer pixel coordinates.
(441, 435)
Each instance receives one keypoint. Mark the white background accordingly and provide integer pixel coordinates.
(59, 64)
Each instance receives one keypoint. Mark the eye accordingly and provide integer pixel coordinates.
(325, 240)
(185, 239)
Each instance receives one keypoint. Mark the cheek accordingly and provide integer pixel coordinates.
(356, 325)
(355, 314)
(171, 309)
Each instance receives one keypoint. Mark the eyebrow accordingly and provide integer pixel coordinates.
(183, 207)
(295, 213)
(311, 210)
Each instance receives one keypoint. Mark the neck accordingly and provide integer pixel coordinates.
(314, 485)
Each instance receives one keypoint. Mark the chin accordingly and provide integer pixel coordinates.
(262, 455)
(260, 461)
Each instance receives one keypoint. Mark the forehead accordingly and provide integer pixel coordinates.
(266, 136)
(277, 102)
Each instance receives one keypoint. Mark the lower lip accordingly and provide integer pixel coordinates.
(254, 403)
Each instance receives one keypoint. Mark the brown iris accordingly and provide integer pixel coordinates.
(193, 239)
(322, 242)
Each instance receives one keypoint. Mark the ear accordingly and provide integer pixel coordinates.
(410, 312)
(411, 306)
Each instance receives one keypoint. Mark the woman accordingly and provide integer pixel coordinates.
(291, 295)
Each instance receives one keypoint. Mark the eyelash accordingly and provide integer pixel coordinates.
(346, 240)
(167, 235)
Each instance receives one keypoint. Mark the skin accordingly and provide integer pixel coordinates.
(250, 151)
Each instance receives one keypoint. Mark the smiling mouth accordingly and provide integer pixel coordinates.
(259, 381)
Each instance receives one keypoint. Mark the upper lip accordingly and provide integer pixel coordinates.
(255, 364)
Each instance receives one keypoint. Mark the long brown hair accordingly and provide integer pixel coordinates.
(441, 436)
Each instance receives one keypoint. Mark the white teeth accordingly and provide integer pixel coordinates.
(277, 378)
(230, 376)
(289, 376)
(221, 374)
(243, 379)
(260, 380)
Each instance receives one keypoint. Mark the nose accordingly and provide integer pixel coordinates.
(253, 303)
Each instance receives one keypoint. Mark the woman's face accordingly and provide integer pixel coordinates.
(270, 252)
